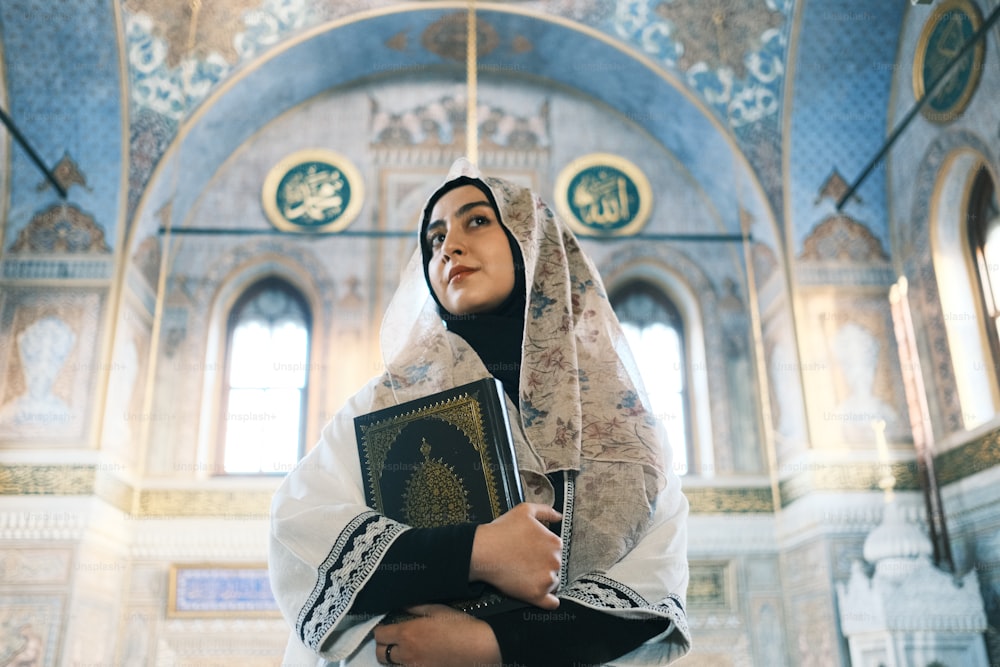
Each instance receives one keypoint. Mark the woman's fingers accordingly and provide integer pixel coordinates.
(519, 555)
(543, 513)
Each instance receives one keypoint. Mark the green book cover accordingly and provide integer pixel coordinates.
(443, 459)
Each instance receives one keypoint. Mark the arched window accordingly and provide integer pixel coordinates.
(655, 332)
(267, 363)
(983, 226)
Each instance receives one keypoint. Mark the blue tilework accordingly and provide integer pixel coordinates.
(64, 93)
(753, 98)
(843, 78)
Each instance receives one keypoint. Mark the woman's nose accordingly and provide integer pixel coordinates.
(454, 244)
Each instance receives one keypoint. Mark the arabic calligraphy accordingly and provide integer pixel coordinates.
(220, 590)
(944, 45)
(603, 194)
(313, 191)
(943, 36)
(602, 198)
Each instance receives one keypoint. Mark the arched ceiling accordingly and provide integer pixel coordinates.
(777, 92)
(390, 44)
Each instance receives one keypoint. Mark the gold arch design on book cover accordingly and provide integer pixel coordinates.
(462, 412)
(434, 494)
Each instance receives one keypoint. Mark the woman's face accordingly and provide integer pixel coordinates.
(471, 268)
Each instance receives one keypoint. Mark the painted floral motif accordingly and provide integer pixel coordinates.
(742, 78)
(172, 78)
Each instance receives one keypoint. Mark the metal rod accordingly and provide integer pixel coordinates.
(929, 92)
(760, 369)
(920, 423)
(471, 84)
(20, 138)
(377, 234)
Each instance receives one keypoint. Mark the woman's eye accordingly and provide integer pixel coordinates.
(435, 240)
(479, 220)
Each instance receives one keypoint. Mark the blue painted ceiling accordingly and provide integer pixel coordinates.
(113, 83)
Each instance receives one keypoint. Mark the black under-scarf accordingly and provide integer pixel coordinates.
(496, 335)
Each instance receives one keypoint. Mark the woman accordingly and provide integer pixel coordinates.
(599, 547)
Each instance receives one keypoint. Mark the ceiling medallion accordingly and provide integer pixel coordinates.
(311, 191)
(950, 26)
(603, 195)
(449, 36)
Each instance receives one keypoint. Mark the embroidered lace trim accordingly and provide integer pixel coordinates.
(601, 592)
(352, 560)
(569, 498)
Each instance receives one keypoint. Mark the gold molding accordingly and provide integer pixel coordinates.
(847, 477)
(712, 584)
(114, 491)
(730, 500)
(952, 466)
(47, 480)
(966, 460)
(237, 505)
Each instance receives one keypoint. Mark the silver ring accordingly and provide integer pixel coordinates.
(388, 655)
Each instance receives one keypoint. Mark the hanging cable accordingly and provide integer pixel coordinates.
(911, 114)
(23, 143)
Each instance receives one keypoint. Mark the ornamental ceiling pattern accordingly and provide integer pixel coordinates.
(180, 50)
(196, 28)
(730, 52)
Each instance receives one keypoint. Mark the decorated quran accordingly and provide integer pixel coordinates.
(443, 459)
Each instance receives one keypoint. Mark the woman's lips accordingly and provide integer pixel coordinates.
(459, 272)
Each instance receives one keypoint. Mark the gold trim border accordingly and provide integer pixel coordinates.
(269, 191)
(952, 466)
(730, 500)
(699, 570)
(966, 460)
(173, 612)
(47, 480)
(236, 505)
(847, 477)
(970, 10)
(571, 170)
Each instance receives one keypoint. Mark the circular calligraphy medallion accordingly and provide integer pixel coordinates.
(950, 26)
(313, 191)
(603, 195)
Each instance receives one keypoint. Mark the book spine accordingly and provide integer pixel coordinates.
(502, 437)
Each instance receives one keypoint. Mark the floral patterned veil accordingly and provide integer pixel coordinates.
(582, 407)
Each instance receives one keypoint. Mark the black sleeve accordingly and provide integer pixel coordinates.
(571, 635)
(423, 565)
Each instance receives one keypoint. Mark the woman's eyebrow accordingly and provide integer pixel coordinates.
(462, 210)
(433, 226)
(465, 208)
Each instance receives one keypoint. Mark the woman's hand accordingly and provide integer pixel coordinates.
(519, 555)
(439, 637)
